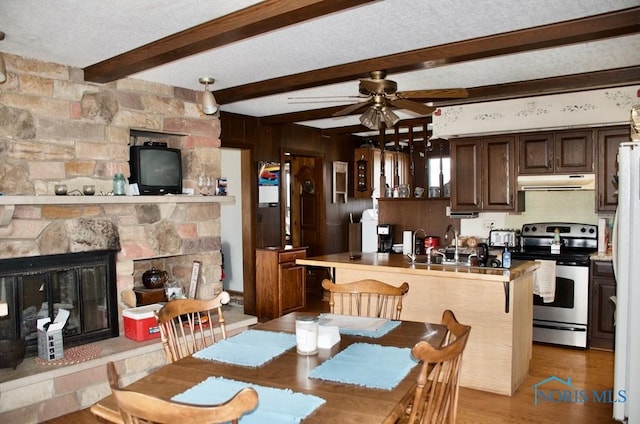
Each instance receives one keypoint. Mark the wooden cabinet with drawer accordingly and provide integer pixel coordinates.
(280, 283)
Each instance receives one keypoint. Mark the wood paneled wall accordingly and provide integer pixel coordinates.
(412, 214)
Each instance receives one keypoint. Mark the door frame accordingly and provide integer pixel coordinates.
(285, 155)
(249, 193)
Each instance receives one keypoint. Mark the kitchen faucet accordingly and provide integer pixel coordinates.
(456, 253)
(413, 254)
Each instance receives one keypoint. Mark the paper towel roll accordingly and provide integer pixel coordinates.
(407, 237)
(602, 235)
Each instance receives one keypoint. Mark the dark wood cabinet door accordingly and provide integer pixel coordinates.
(608, 142)
(536, 153)
(293, 289)
(573, 151)
(465, 175)
(499, 180)
(602, 286)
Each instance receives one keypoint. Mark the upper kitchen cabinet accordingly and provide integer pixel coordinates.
(560, 152)
(483, 175)
(608, 140)
(466, 175)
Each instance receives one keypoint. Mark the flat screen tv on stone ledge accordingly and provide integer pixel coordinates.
(37, 287)
(156, 169)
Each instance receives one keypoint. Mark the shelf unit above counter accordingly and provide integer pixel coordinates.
(8, 203)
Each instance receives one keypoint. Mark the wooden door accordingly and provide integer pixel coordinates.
(536, 153)
(465, 175)
(499, 173)
(573, 151)
(608, 142)
(307, 204)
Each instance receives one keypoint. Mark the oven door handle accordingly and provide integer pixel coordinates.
(558, 327)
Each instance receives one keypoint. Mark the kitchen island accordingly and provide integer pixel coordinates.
(497, 303)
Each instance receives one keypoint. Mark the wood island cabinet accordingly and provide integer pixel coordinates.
(609, 140)
(280, 282)
(483, 174)
(559, 152)
(602, 285)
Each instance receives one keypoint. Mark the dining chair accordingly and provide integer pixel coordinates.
(189, 325)
(136, 406)
(435, 398)
(370, 298)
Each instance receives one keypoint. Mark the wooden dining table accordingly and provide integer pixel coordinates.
(345, 403)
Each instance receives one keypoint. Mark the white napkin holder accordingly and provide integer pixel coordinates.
(328, 336)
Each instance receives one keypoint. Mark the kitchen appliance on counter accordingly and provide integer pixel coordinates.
(563, 321)
(385, 238)
(498, 238)
(626, 266)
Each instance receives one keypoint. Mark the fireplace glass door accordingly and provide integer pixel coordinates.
(82, 284)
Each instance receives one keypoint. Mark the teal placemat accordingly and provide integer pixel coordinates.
(275, 406)
(368, 365)
(378, 331)
(251, 348)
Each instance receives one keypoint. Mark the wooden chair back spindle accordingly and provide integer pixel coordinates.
(136, 408)
(435, 399)
(189, 325)
(368, 298)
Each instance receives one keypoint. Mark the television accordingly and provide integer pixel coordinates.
(156, 169)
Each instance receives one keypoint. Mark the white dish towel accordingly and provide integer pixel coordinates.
(544, 280)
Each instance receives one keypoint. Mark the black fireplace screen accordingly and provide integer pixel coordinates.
(38, 287)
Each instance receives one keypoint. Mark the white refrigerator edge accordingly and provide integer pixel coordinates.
(626, 264)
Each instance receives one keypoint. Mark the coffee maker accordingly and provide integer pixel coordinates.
(385, 238)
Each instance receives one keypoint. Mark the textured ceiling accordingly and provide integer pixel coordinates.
(82, 33)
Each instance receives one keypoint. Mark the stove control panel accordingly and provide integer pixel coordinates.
(547, 229)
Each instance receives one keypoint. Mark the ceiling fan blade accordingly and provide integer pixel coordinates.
(416, 107)
(442, 93)
(351, 108)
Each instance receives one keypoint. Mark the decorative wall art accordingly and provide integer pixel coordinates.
(268, 183)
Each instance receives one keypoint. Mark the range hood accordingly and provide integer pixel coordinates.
(557, 182)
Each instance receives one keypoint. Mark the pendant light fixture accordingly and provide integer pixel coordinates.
(209, 104)
(3, 67)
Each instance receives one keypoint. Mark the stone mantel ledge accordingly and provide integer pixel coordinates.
(8, 203)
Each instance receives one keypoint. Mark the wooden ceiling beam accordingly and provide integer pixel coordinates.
(251, 21)
(592, 28)
(607, 78)
(538, 87)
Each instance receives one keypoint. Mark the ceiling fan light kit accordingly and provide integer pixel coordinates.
(382, 95)
(3, 66)
(209, 104)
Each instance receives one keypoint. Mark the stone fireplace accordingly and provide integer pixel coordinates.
(58, 129)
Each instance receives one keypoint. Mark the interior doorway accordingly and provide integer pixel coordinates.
(304, 211)
(304, 214)
(237, 233)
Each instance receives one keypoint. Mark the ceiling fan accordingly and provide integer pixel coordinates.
(382, 94)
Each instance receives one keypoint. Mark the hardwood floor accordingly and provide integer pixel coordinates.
(588, 371)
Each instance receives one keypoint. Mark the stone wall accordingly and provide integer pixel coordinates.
(55, 128)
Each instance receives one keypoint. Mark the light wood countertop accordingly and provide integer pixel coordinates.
(397, 263)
